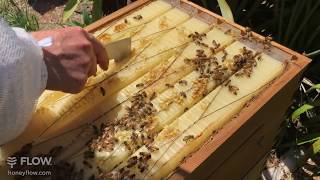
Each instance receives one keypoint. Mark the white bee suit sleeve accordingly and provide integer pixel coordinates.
(23, 77)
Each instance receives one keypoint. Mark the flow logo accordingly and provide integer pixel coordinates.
(11, 161)
(29, 161)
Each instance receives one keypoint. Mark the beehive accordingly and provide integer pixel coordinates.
(189, 102)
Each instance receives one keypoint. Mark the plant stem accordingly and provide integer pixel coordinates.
(314, 53)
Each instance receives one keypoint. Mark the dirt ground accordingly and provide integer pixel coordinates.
(49, 12)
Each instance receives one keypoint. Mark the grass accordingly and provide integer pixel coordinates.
(17, 17)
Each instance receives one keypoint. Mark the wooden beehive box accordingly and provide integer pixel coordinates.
(239, 149)
(236, 150)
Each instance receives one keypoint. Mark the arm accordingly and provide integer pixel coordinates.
(26, 70)
(23, 77)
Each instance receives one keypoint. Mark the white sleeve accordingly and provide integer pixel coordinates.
(23, 77)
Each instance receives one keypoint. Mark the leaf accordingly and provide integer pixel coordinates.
(314, 53)
(225, 10)
(317, 86)
(316, 147)
(308, 138)
(300, 111)
(97, 10)
(74, 23)
(69, 9)
(86, 17)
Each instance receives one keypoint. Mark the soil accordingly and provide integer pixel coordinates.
(49, 12)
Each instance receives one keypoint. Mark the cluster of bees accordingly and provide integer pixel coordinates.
(139, 161)
(207, 66)
(247, 34)
(242, 64)
(245, 62)
(197, 38)
(138, 117)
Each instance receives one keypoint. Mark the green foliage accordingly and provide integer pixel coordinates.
(314, 53)
(70, 9)
(304, 108)
(309, 138)
(304, 123)
(309, 122)
(75, 23)
(316, 147)
(87, 17)
(97, 10)
(86, 20)
(316, 86)
(225, 10)
(17, 17)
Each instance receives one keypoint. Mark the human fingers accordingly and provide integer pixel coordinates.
(93, 63)
(100, 51)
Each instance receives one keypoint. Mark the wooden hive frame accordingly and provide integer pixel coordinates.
(242, 144)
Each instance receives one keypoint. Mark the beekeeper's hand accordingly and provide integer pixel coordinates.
(72, 58)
